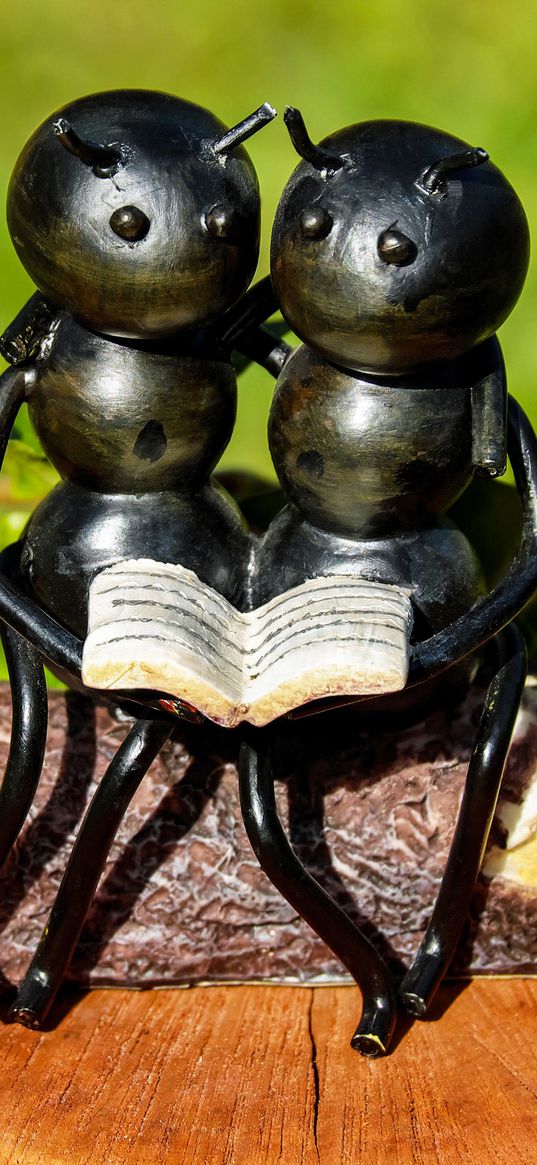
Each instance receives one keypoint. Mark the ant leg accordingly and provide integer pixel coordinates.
(28, 736)
(60, 936)
(483, 781)
(307, 897)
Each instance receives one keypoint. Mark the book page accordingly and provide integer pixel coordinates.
(334, 635)
(155, 625)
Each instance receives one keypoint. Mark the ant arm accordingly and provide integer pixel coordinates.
(489, 414)
(13, 385)
(255, 306)
(22, 338)
(518, 586)
(18, 611)
(242, 329)
(263, 347)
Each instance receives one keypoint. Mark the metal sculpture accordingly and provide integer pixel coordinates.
(137, 215)
(397, 253)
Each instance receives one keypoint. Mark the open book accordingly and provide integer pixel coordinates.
(154, 625)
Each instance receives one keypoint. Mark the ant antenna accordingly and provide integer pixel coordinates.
(317, 156)
(433, 179)
(239, 133)
(104, 160)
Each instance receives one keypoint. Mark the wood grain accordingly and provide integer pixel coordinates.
(264, 1075)
(461, 1087)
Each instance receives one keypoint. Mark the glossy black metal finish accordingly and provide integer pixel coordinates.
(437, 562)
(28, 735)
(256, 305)
(16, 609)
(370, 460)
(306, 896)
(433, 179)
(483, 781)
(327, 161)
(79, 883)
(241, 330)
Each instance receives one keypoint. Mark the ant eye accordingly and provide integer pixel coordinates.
(130, 223)
(316, 222)
(220, 221)
(395, 247)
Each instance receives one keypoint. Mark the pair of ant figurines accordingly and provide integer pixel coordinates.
(397, 252)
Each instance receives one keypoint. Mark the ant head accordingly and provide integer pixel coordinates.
(395, 245)
(137, 212)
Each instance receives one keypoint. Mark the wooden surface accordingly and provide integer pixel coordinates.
(264, 1075)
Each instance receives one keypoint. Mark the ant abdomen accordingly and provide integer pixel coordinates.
(77, 532)
(435, 563)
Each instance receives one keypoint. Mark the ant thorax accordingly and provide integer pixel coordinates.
(121, 416)
(366, 456)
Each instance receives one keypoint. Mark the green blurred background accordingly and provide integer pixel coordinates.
(467, 68)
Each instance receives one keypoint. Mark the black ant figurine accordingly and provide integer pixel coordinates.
(137, 216)
(397, 252)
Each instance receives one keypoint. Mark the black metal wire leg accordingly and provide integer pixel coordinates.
(28, 736)
(483, 781)
(307, 897)
(123, 776)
